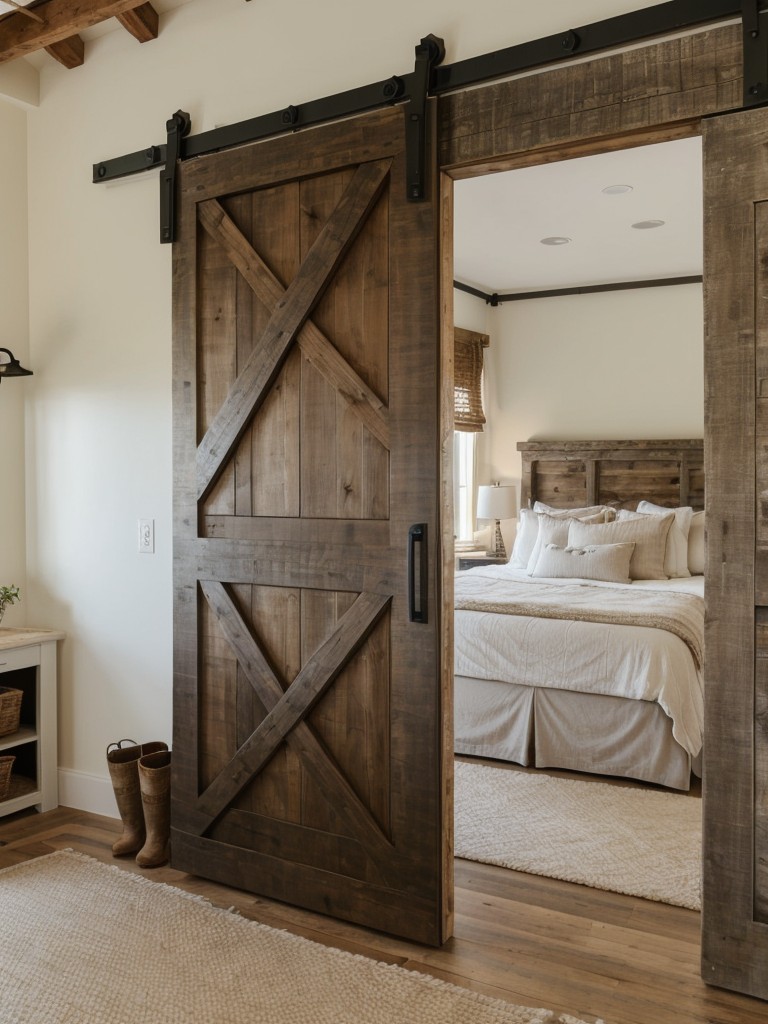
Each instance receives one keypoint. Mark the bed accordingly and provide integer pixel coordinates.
(599, 672)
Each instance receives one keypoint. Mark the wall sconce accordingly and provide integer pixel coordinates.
(12, 367)
(498, 502)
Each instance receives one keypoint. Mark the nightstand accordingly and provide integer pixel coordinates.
(470, 561)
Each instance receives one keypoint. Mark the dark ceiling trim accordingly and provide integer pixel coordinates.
(495, 298)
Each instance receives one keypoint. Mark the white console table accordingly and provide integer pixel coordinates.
(28, 663)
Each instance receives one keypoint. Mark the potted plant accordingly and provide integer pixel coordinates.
(8, 595)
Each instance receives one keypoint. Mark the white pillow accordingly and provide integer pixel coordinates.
(577, 513)
(527, 532)
(553, 529)
(648, 533)
(697, 550)
(676, 557)
(607, 562)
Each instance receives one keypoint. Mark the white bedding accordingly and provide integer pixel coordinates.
(591, 657)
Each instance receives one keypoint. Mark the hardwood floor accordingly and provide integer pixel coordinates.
(529, 940)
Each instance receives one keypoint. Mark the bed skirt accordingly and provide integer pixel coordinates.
(584, 732)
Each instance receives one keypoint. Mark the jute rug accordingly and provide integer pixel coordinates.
(639, 842)
(86, 943)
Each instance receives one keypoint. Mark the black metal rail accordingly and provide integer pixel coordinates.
(636, 26)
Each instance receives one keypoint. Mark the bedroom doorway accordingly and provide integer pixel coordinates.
(584, 278)
(644, 96)
(577, 335)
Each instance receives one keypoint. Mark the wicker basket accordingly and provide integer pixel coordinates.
(10, 709)
(6, 763)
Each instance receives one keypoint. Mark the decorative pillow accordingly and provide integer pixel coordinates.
(676, 556)
(697, 551)
(577, 513)
(607, 562)
(553, 529)
(648, 533)
(527, 532)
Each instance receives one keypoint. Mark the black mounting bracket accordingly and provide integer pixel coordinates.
(177, 128)
(429, 53)
(430, 78)
(755, 37)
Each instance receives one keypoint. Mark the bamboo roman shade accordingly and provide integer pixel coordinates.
(468, 379)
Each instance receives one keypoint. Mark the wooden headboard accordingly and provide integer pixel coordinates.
(571, 474)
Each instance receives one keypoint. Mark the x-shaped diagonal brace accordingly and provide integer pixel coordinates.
(290, 313)
(285, 713)
(312, 342)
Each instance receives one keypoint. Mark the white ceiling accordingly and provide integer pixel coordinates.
(7, 8)
(500, 220)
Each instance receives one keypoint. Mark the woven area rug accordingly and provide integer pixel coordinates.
(86, 943)
(635, 841)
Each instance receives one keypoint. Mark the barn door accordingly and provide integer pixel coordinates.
(308, 719)
(735, 920)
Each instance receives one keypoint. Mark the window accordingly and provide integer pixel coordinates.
(464, 486)
(468, 375)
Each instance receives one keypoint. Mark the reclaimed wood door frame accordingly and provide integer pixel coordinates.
(649, 94)
(311, 745)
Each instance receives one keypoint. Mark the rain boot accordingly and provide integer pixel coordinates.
(123, 763)
(155, 783)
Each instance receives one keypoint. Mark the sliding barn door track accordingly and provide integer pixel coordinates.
(431, 78)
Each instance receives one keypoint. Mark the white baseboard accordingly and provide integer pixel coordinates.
(86, 792)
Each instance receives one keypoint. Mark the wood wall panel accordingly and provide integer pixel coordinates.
(761, 563)
(761, 765)
(734, 942)
(621, 473)
(669, 84)
(660, 479)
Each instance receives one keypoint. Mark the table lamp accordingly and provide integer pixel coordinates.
(497, 502)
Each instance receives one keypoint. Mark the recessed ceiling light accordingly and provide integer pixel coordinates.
(643, 224)
(616, 190)
(555, 240)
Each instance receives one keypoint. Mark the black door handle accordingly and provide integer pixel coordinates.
(417, 592)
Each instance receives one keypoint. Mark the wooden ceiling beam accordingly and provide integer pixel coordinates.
(25, 10)
(69, 52)
(20, 35)
(142, 22)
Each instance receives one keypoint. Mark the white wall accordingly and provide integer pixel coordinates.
(470, 312)
(99, 414)
(14, 333)
(610, 365)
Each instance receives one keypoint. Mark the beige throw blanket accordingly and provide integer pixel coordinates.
(681, 614)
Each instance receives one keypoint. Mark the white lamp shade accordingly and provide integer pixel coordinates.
(496, 501)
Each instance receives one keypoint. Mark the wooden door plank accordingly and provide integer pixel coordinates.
(373, 712)
(316, 348)
(306, 689)
(301, 738)
(272, 225)
(296, 305)
(734, 942)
